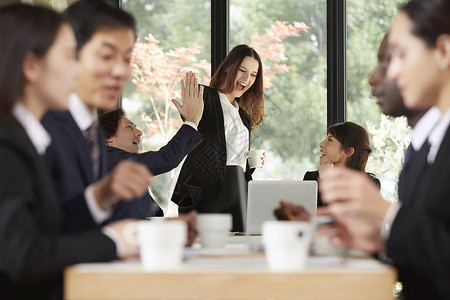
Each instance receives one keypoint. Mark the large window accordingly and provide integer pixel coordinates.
(290, 36)
(58, 5)
(367, 22)
(174, 37)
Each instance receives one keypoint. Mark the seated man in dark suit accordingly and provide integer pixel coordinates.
(123, 138)
(77, 155)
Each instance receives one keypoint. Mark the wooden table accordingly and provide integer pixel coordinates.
(232, 276)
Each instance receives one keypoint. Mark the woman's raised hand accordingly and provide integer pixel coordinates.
(192, 97)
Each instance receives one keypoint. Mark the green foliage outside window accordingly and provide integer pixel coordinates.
(295, 99)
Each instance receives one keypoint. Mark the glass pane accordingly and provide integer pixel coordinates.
(367, 22)
(174, 36)
(290, 36)
(58, 5)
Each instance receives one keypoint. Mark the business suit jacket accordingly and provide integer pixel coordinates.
(33, 251)
(314, 175)
(158, 162)
(68, 158)
(203, 172)
(419, 241)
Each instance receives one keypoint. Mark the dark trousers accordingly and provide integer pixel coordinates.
(232, 198)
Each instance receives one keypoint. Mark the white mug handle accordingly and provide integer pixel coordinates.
(130, 233)
(246, 154)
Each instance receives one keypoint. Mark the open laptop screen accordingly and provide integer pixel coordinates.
(264, 197)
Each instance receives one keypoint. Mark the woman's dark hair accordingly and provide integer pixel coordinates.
(430, 19)
(89, 16)
(352, 135)
(109, 121)
(252, 101)
(24, 30)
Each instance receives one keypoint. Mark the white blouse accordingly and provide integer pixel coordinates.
(236, 134)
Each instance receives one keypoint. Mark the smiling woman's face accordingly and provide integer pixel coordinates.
(332, 150)
(413, 66)
(245, 77)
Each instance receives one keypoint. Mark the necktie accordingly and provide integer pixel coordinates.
(408, 156)
(94, 147)
(409, 153)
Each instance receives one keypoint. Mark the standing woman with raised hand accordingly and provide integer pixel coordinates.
(214, 173)
(37, 73)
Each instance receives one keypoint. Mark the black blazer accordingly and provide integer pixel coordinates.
(33, 251)
(419, 241)
(314, 175)
(164, 160)
(68, 158)
(203, 171)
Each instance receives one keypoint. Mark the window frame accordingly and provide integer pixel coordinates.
(336, 51)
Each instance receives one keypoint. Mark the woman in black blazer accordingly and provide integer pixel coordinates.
(37, 73)
(415, 231)
(214, 173)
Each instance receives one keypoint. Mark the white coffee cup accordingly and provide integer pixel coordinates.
(255, 158)
(286, 244)
(161, 242)
(213, 229)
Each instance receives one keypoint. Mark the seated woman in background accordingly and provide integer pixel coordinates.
(347, 144)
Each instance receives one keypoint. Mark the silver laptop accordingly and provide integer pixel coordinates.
(264, 197)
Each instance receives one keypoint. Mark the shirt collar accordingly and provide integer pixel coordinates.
(39, 137)
(437, 136)
(81, 114)
(223, 98)
(424, 127)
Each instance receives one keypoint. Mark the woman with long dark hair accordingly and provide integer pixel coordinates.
(214, 174)
(37, 73)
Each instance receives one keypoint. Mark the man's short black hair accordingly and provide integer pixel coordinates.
(89, 16)
(109, 122)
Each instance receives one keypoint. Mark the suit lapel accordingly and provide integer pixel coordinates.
(82, 152)
(433, 196)
(414, 173)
